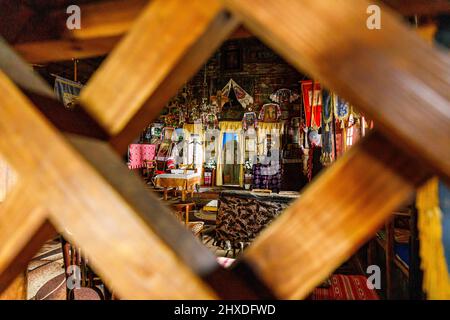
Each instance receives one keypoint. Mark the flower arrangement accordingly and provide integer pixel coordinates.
(210, 164)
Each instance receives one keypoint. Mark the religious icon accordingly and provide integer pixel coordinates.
(270, 112)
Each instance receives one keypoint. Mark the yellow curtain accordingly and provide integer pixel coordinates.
(436, 282)
(195, 128)
(230, 127)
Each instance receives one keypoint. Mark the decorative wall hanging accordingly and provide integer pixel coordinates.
(327, 148)
(250, 120)
(270, 112)
(67, 91)
(327, 131)
(241, 95)
(327, 110)
(356, 115)
(210, 121)
(219, 100)
(283, 96)
(138, 154)
(312, 103)
(341, 109)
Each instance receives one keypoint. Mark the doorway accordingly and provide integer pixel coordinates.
(231, 167)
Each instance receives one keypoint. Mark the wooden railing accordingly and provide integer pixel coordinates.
(71, 177)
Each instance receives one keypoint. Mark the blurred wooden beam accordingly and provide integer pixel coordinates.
(241, 32)
(23, 231)
(17, 290)
(65, 49)
(146, 72)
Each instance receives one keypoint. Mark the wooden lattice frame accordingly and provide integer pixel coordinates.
(71, 175)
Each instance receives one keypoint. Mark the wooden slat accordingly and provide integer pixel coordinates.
(333, 217)
(60, 50)
(105, 222)
(17, 290)
(165, 47)
(23, 230)
(390, 74)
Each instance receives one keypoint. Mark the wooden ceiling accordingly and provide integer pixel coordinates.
(36, 28)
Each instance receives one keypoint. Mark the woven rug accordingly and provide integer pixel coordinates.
(345, 287)
(46, 269)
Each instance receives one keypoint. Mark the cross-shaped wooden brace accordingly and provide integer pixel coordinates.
(71, 175)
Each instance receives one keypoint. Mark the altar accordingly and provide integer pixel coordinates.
(185, 181)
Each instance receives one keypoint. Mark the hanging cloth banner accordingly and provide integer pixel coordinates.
(341, 110)
(433, 204)
(67, 91)
(327, 110)
(282, 96)
(327, 131)
(138, 154)
(312, 103)
(243, 97)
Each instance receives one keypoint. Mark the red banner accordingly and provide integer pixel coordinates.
(312, 104)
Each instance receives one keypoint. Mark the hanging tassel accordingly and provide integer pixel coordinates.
(326, 159)
(436, 283)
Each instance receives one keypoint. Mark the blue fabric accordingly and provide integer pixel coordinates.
(444, 204)
(327, 143)
(402, 250)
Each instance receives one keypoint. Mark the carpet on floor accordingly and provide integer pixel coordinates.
(345, 287)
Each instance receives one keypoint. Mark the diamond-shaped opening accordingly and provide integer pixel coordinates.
(233, 62)
(243, 66)
(259, 72)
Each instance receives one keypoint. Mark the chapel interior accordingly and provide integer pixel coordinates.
(233, 149)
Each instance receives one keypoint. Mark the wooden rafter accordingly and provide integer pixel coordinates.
(23, 231)
(103, 24)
